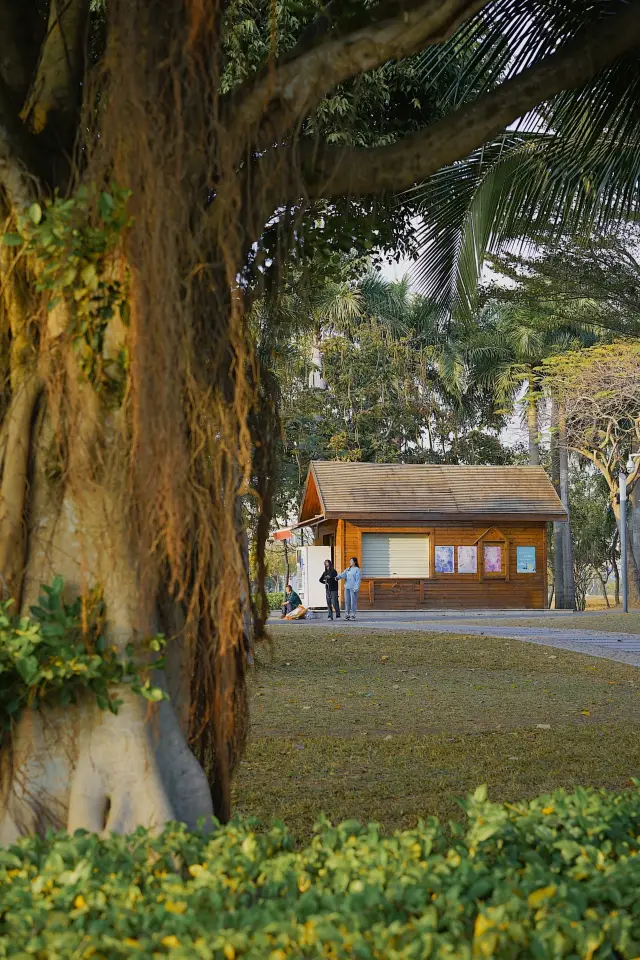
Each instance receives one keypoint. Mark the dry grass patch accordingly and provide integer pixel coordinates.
(392, 726)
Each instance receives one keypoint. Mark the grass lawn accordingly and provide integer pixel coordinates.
(614, 622)
(394, 726)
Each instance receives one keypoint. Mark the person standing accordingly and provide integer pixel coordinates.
(352, 577)
(330, 579)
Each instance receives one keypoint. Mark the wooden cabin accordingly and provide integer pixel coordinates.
(434, 537)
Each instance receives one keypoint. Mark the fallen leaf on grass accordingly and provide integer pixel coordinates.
(384, 659)
(586, 713)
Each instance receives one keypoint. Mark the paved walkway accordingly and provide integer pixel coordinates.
(623, 647)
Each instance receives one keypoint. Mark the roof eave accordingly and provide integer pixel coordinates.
(434, 517)
(311, 474)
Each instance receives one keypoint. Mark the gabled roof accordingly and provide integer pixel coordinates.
(386, 491)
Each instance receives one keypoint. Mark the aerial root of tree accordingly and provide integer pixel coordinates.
(14, 452)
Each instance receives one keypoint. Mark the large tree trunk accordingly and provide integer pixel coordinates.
(558, 536)
(85, 768)
(124, 444)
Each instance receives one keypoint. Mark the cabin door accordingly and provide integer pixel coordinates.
(329, 540)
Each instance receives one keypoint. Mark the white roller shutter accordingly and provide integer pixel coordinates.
(395, 555)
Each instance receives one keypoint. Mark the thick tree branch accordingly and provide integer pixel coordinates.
(331, 171)
(55, 91)
(286, 93)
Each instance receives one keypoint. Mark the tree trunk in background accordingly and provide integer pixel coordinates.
(567, 546)
(603, 584)
(558, 565)
(286, 564)
(616, 571)
(532, 425)
(634, 545)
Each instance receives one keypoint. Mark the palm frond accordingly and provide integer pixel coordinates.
(573, 166)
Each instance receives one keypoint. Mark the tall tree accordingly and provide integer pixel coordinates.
(125, 422)
(599, 389)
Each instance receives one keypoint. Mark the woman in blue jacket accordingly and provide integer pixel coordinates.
(352, 577)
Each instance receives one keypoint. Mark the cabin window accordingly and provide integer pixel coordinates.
(395, 555)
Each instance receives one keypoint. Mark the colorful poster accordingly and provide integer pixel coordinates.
(492, 559)
(444, 559)
(467, 559)
(526, 559)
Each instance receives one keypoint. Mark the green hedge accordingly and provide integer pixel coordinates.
(275, 600)
(559, 877)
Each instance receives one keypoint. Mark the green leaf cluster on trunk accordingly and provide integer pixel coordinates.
(59, 652)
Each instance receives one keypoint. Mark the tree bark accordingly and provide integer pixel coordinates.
(86, 768)
(567, 546)
(558, 563)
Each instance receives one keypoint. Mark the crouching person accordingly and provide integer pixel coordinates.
(291, 603)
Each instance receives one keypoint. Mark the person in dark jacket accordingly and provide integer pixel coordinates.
(330, 579)
(292, 601)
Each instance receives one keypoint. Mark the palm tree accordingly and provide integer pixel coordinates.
(571, 167)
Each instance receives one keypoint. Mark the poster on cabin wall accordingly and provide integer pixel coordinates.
(492, 559)
(467, 559)
(526, 559)
(444, 559)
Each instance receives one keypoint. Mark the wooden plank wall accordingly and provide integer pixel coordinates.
(458, 591)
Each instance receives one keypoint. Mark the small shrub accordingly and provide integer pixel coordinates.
(275, 600)
(557, 877)
(59, 652)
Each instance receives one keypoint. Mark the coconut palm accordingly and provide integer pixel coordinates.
(569, 168)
